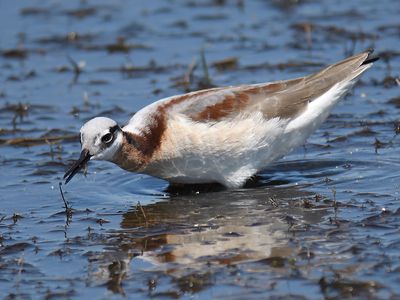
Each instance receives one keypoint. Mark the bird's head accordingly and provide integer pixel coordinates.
(101, 138)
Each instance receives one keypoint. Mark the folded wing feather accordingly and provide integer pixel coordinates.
(284, 99)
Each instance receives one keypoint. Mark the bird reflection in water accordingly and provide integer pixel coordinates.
(190, 237)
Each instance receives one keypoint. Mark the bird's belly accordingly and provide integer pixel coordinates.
(226, 153)
(227, 165)
(224, 169)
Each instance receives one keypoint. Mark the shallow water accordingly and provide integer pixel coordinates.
(322, 222)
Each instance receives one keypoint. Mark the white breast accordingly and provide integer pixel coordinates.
(228, 152)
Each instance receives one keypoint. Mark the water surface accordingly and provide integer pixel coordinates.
(322, 222)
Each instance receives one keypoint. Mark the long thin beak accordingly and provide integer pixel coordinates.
(78, 165)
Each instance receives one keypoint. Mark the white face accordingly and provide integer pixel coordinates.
(102, 137)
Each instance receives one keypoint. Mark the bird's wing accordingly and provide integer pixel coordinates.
(283, 99)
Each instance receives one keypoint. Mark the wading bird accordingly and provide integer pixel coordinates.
(221, 135)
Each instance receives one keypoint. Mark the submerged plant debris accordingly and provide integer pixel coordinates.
(322, 223)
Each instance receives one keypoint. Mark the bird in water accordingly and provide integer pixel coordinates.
(221, 135)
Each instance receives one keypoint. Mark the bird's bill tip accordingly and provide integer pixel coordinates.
(77, 165)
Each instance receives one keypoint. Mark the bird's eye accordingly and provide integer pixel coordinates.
(107, 138)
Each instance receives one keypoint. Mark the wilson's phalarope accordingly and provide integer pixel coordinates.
(223, 135)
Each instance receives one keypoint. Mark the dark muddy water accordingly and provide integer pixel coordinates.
(321, 223)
